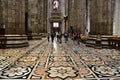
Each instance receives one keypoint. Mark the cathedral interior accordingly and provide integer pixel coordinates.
(60, 39)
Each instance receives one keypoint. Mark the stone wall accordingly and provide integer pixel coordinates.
(13, 13)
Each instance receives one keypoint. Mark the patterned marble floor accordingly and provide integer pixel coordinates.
(44, 60)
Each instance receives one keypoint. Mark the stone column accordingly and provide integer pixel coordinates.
(116, 25)
(41, 15)
(71, 13)
(45, 15)
(101, 16)
(20, 21)
(80, 13)
(1, 15)
(48, 16)
(93, 17)
(26, 14)
(87, 17)
(75, 16)
(37, 10)
(13, 16)
(66, 16)
(62, 8)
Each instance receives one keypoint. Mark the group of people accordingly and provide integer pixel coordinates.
(58, 36)
(76, 37)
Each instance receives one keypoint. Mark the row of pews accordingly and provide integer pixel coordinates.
(103, 41)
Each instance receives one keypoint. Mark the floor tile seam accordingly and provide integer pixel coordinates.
(87, 67)
(36, 64)
(46, 65)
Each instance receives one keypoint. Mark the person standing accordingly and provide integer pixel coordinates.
(60, 37)
(48, 37)
(78, 39)
(66, 36)
(57, 36)
(52, 36)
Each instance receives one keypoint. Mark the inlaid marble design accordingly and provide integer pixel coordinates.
(55, 61)
(62, 72)
(15, 72)
(106, 71)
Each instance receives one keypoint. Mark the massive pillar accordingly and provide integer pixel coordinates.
(45, 16)
(33, 16)
(71, 13)
(101, 16)
(81, 16)
(13, 23)
(77, 15)
(87, 28)
(66, 27)
(42, 8)
(1, 15)
(49, 7)
(14, 16)
(116, 25)
(41, 15)
(37, 16)
(62, 2)
(27, 28)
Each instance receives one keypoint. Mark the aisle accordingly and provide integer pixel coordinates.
(54, 61)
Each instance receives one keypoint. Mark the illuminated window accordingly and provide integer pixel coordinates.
(55, 24)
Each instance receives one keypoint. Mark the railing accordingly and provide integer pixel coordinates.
(105, 41)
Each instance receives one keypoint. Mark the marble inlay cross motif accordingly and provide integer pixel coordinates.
(62, 72)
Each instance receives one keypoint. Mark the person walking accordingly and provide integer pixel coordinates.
(52, 36)
(66, 36)
(48, 36)
(78, 39)
(60, 37)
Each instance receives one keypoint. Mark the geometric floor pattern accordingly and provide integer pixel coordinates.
(44, 60)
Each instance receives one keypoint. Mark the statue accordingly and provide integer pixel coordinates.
(55, 5)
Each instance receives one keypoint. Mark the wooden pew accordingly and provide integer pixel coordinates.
(114, 43)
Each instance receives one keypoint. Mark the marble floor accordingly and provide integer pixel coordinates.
(44, 60)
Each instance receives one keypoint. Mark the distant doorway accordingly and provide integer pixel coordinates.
(56, 27)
